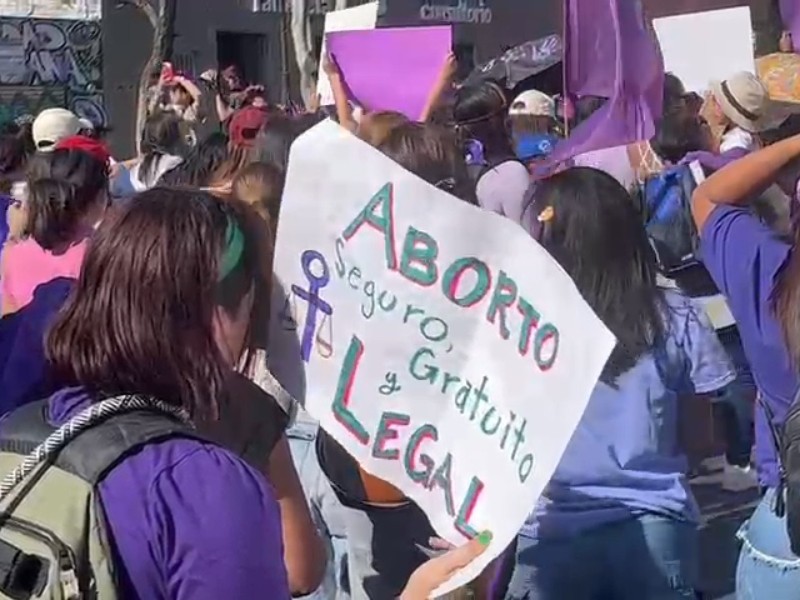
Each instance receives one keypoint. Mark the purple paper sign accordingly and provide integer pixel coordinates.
(391, 69)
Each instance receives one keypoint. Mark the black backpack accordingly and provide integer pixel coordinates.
(665, 200)
(787, 443)
(666, 204)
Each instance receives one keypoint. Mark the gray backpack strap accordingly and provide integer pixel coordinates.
(78, 445)
(777, 440)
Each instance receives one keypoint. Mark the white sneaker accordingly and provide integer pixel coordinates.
(738, 479)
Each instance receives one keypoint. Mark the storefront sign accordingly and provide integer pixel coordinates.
(315, 7)
(460, 11)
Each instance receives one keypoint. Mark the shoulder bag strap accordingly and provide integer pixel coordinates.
(88, 418)
(780, 505)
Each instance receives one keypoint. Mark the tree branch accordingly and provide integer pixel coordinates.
(161, 16)
(146, 6)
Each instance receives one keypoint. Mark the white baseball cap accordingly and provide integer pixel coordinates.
(53, 125)
(533, 103)
(744, 99)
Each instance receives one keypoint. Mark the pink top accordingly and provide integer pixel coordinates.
(26, 265)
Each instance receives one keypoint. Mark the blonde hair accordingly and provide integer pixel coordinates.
(260, 185)
(375, 127)
(238, 159)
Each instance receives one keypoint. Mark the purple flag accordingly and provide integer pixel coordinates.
(611, 52)
(790, 15)
(391, 69)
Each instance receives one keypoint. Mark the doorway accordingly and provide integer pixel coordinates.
(248, 51)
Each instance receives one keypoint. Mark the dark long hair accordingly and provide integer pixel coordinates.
(480, 113)
(200, 163)
(431, 152)
(161, 136)
(273, 142)
(674, 92)
(140, 319)
(785, 300)
(376, 126)
(12, 153)
(66, 184)
(596, 235)
(678, 133)
(12, 160)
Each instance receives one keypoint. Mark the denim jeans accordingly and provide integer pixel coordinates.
(646, 558)
(736, 406)
(326, 511)
(767, 569)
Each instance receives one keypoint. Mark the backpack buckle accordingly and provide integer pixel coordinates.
(70, 587)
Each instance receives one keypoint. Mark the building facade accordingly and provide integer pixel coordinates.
(88, 54)
(51, 55)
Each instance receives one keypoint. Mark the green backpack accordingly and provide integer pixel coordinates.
(53, 533)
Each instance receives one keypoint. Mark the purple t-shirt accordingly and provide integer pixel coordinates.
(624, 459)
(744, 256)
(188, 520)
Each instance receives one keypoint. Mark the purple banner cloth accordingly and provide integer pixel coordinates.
(610, 51)
(790, 15)
(714, 162)
(391, 69)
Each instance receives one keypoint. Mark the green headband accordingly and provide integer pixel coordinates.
(234, 248)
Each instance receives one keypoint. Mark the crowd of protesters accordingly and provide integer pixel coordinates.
(151, 277)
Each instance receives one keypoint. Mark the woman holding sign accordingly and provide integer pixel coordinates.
(387, 532)
(618, 520)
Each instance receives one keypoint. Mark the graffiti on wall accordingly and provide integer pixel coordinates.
(38, 52)
(42, 60)
(52, 9)
(18, 101)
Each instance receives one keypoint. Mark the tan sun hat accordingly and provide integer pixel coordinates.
(745, 101)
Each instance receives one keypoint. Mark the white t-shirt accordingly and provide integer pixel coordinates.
(127, 182)
(614, 161)
(738, 138)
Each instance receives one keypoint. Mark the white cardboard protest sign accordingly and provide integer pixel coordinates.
(348, 19)
(706, 46)
(441, 345)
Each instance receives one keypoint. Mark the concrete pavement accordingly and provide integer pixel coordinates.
(723, 513)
